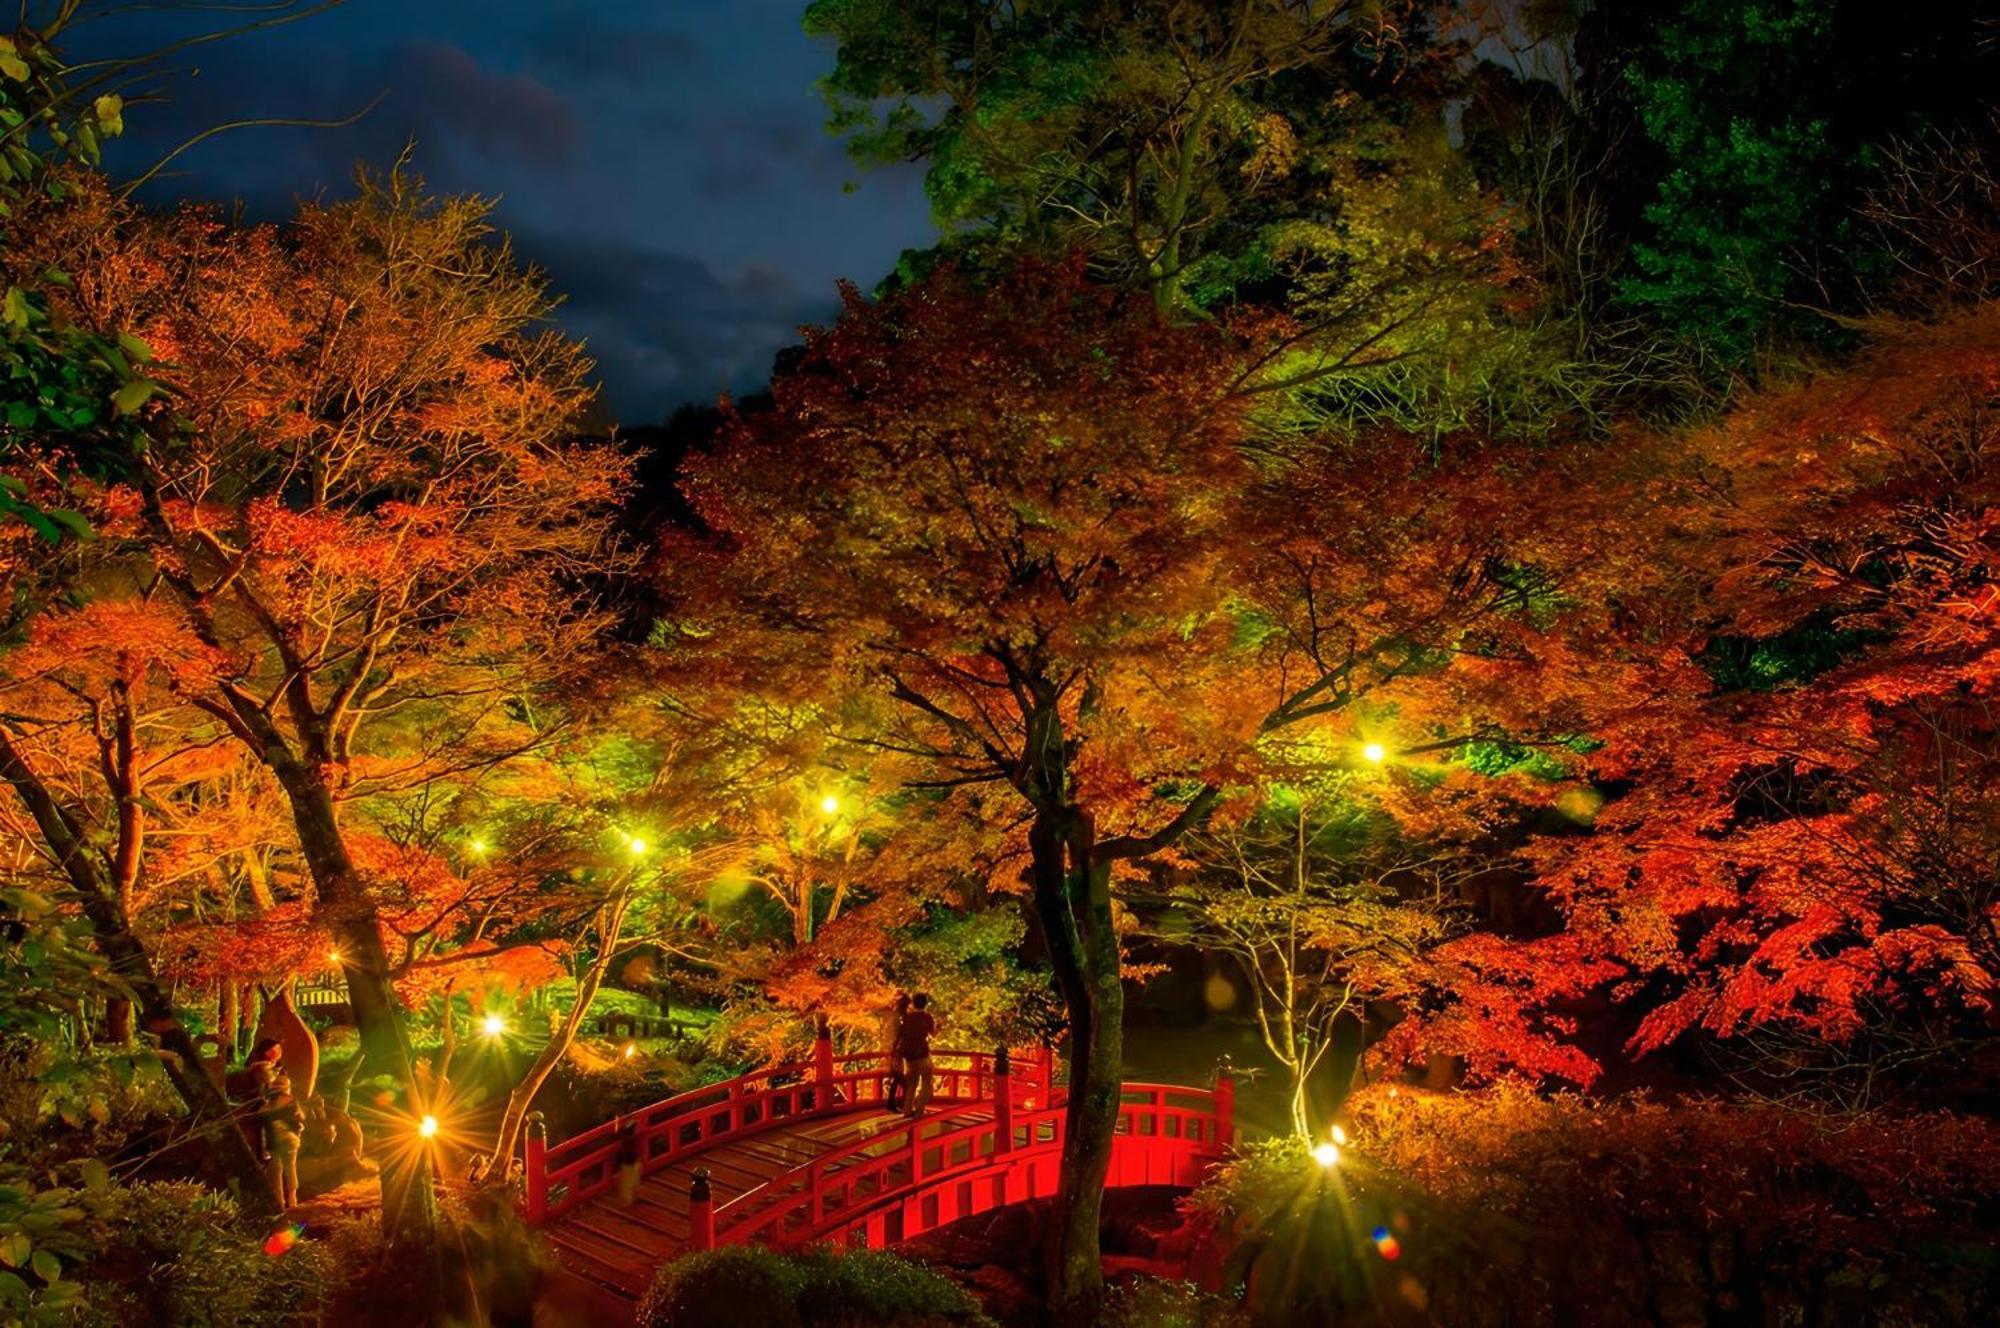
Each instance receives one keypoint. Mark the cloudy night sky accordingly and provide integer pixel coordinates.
(666, 163)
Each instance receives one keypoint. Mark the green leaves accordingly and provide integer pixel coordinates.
(132, 395)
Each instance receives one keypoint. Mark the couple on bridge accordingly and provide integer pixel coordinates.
(911, 1079)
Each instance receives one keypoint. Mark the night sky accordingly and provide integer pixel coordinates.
(666, 163)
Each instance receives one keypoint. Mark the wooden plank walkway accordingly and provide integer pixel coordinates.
(619, 1247)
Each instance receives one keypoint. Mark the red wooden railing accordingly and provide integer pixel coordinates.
(906, 1178)
(916, 1175)
(586, 1165)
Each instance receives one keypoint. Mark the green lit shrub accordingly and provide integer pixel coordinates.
(1150, 1303)
(177, 1253)
(753, 1285)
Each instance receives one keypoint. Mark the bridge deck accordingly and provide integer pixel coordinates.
(619, 1246)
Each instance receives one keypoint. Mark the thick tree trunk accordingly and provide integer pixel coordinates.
(409, 1201)
(118, 1021)
(1073, 905)
(228, 1150)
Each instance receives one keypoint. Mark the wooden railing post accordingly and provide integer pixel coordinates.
(537, 1159)
(1225, 1102)
(701, 1212)
(822, 1065)
(1003, 1102)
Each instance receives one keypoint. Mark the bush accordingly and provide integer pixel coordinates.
(1510, 1208)
(751, 1285)
(1150, 1303)
(177, 1253)
(485, 1268)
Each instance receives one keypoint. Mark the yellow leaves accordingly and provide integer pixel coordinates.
(109, 112)
(11, 63)
(1276, 149)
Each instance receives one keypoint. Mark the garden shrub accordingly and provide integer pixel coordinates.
(486, 1267)
(180, 1254)
(819, 1289)
(1514, 1208)
(1148, 1302)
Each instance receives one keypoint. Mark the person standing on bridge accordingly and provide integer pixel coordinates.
(913, 1044)
(899, 1072)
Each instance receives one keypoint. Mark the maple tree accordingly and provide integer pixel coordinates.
(365, 499)
(95, 751)
(1021, 527)
(1806, 846)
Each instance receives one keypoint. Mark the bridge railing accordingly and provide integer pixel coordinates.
(559, 1177)
(931, 1171)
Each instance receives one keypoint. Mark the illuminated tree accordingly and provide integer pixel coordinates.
(1018, 526)
(1806, 847)
(365, 500)
(1320, 910)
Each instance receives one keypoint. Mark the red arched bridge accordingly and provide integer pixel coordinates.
(807, 1153)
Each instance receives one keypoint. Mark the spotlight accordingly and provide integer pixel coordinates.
(1375, 753)
(427, 1127)
(494, 1025)
(1326, 1155)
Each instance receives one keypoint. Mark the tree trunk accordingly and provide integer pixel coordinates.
(229, 1153)
(118, 1021)
(1073, 905)
(499, 1163)
(227, 1019)
(409, 1201)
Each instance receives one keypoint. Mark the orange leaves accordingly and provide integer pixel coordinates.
(129, 642)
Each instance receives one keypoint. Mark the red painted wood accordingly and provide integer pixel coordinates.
(798, 1158)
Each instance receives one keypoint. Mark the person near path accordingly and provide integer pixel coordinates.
(281, 1120)
(899, 1071)
(913, 1044)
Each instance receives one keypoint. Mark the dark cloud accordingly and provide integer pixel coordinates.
(667, 164)
(750, 151)
(665, 328)
(582, 47)
(444, 91)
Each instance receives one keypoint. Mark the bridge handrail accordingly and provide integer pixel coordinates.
(585, 1165)
(800, 1212)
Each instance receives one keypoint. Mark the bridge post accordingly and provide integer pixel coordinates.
(701, 1212)
(822, 1065)
(1003, 1101)
(537, 1158)
(1225, 1102)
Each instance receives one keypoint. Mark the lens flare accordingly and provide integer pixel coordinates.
(1339, 1135)
(493, 1025)
(427, 1128)
(829, 804)
(1375, 753)
(1326, 1155)
(281, 1241)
